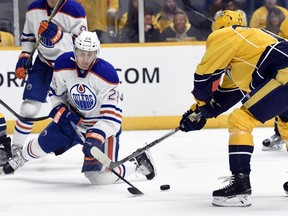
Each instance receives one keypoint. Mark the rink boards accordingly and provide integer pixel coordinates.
(156, 83)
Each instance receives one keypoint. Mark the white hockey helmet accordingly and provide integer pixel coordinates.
(88, 41)
(86, 49)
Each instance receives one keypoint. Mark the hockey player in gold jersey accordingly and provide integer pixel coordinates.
(275, 142)
(255, 64)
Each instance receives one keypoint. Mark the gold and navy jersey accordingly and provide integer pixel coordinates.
(251, 55)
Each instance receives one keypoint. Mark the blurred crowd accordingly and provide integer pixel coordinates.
(175, 20)
(117, 21)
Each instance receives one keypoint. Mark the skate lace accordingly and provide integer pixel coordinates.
(274, 138)
(16, 162)
(144, 167)
(226, 179)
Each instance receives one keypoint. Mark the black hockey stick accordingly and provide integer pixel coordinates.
(111, 165)
(56, 7)
(133, 190)
(107, 161)
(21, 118)
(188, 5)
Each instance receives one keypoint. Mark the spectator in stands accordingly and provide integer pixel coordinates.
(6, 39)
(214, 7)
(274, 19)
(164, 18)
(241, 3)
(102, 18)
(201, 23)
(151, 34)
(283, 31)
(259, 17)
(230, 5)
(129, 25)
(179, 30)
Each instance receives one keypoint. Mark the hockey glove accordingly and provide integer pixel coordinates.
(94, 138)
(50, 33)
(21, 66)
(63, 116)
(91, 164)
(209, 110)
(191, 121)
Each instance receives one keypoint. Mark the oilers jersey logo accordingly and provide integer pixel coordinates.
(46, 42)
(83, 97)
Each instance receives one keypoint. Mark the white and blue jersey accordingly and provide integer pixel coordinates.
(70, 16)
(92, 94)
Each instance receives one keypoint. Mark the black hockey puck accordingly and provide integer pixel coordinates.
(285, 187)
(165, 187)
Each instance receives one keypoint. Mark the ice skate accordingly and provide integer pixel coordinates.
(5, 149)
(15, 161)
(285, 187)
(144, 165)
(275, 142)
(235, 194)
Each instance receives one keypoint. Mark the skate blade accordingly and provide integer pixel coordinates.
(272, 148)
(234, 201)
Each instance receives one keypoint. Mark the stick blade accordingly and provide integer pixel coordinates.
(100, 156)
(135, 191)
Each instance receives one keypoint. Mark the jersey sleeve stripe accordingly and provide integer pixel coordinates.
(111, 119)
(111, 113)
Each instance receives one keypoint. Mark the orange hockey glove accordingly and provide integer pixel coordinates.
(50, 33)
(21, 66)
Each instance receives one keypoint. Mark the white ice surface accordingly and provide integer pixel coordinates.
(189, 162)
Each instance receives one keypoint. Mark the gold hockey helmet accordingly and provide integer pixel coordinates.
(228, 18)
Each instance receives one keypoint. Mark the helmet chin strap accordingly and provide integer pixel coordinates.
(90, 66)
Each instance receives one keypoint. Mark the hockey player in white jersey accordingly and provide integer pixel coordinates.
(56, 38)
(84, 90)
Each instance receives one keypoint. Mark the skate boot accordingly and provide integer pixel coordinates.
(144, 165)
(285, 187)
(275, 142)
(16, 161)
(5, 149)
(236, 193)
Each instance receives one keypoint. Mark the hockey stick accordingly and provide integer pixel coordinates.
(188, 5)
(133, 190)
(111, 165)
(21, 118)
(56, 7)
